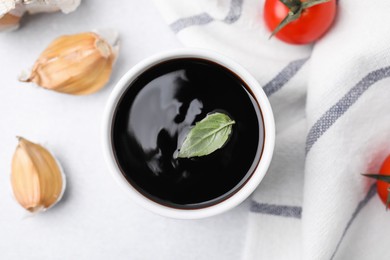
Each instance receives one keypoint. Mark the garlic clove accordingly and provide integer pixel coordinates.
(47, 6)
(109, 35)
(6, 6)
(37, 179)
(10, 21)
(11, 11)
(77, 64)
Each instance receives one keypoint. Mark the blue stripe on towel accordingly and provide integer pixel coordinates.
(338, 109)
(234, 12)
(182, 23)
(360, 206)
(284, 76)
(276, 210)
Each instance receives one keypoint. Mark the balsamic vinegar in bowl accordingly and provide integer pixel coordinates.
(156, 112)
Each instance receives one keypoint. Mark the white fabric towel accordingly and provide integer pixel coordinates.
(332, 111)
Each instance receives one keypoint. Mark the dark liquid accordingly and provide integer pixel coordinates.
(155, 114)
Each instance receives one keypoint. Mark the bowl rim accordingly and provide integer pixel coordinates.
(245, 190)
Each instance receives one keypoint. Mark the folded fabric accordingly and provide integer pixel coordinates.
(332, 112)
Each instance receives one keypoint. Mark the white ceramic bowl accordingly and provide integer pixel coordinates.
(244, 191)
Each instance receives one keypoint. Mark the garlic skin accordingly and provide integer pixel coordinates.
(10, 18)
(6, 6)
(47, 6)
(37, 179)
(9, 22)
(39, 6)
(11, 11)
(78, 64)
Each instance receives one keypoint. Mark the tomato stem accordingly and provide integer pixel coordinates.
(378, 177)
(309, 4)
(296, 8)
(293, 5)
(288, 19)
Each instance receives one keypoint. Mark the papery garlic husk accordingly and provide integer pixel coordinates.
(47, 6)
(77, 64)
(37, 178)
(10, 20)
(6, 6)
(11, 11)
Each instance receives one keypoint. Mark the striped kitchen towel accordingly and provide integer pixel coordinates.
(332, 111)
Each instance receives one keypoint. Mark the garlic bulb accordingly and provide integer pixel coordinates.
(9, 22)
(10, 15)
(37, 179)
(11, 11)
(77, 64)
(47, 6)
(7, 6)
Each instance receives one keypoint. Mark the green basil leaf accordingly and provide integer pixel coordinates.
(208, 135)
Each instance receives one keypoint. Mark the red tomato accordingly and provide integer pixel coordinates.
(309, 27)
(382, 187)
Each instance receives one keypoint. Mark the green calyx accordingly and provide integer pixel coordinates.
(296, 8)
(380, 177)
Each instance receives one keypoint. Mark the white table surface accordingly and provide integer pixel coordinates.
(95, 219)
